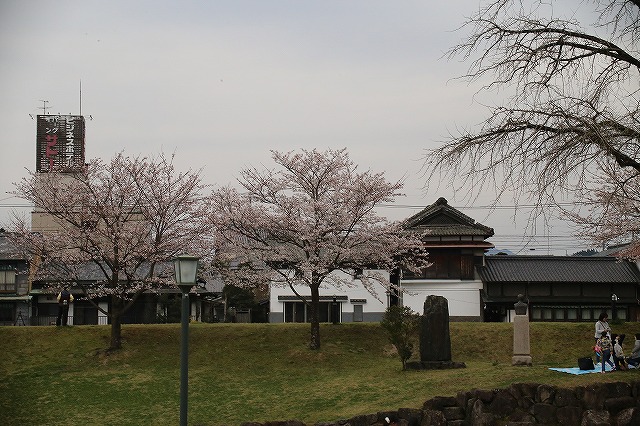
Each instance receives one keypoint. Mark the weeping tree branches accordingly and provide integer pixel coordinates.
(573, 110)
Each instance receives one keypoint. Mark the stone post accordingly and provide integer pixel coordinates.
(435, 341)
(521, 340)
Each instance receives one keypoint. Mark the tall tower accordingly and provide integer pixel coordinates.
(59, 147)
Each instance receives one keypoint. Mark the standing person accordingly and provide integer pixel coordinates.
(64, 298)
(634, 358)
(606, 347)
(601, 325)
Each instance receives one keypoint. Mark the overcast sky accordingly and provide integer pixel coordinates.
(220, 83)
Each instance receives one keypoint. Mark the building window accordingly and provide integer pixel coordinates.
(536, 314)
(299, 312)
(571, 313)
(621, 314)
(358, 315)
(8, 281)
(447, 264)
(294, 312)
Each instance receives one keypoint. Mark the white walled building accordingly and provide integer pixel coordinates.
(456, 245)
(352, 304)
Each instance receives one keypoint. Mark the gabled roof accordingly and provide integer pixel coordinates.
(564, 269)
(440, 219)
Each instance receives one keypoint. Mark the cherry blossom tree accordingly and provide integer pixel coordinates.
(125, 219)
(311, 216)
(572, 114)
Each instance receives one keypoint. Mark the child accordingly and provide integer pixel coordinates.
(606, 347)
(601, 325)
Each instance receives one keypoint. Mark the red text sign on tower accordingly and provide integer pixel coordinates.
(60, 143)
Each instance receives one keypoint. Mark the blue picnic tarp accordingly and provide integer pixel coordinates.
(576, 370)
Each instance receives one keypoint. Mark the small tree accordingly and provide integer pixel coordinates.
(402, 325)
(315, 215)
(125, 219)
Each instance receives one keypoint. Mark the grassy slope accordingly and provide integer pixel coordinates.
(260, 372)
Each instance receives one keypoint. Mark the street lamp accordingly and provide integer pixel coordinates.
(614, 299)
(185, 269)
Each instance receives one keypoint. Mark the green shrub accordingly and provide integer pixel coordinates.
(401, 324)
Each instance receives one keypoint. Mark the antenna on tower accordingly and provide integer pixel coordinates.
(44, 106)
(80, 97)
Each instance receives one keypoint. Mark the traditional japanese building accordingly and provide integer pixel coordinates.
(456, 244)
(561, 288)
(479, 287)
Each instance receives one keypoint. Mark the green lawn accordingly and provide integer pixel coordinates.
(261, 372)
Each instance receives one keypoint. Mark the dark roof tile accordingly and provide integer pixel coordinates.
(566, 269)
(440, 219)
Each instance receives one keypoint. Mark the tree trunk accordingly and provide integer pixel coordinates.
(116, 323)
(314, 344)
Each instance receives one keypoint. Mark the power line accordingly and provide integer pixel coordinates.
(488, 207)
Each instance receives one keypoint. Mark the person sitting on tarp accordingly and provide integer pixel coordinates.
(634, 358)
(618, 352)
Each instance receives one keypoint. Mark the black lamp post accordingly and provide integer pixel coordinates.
(185, 269)
(614, 299)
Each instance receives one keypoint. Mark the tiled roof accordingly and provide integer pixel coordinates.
(565, 269)
(440, 219)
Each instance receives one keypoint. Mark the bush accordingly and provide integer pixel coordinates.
(401, 324)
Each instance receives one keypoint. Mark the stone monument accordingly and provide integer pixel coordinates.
(435, 340)
(521, 340)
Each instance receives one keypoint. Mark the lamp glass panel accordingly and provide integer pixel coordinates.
(185, 269)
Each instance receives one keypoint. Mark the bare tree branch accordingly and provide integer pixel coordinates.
(574, 109)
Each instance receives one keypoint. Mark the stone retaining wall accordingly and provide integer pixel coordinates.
(520, 404)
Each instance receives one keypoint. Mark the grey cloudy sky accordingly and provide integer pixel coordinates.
(220, 83)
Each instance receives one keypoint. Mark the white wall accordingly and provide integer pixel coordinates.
(372, 308)
(463, 296)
